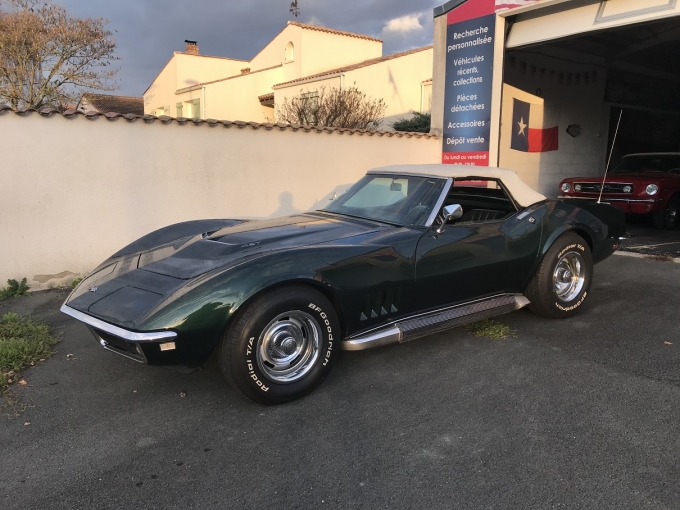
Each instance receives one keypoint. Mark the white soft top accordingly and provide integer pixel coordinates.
(523, 194)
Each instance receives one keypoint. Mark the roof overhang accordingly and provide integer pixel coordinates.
(447, 7)
(307, 80)
(267, 100)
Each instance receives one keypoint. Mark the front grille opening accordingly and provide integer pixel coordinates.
(120, 346)
(609, 187)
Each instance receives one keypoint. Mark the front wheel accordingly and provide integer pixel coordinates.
(561, 284)
(667, 218)
(282, 345)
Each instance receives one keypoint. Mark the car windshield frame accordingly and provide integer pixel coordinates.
(624, 166)
(429, 201)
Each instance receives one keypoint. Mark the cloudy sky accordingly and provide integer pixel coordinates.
(148, 31)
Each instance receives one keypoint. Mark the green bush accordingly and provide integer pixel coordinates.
(14, 288)
(22, 343)
(419, 123)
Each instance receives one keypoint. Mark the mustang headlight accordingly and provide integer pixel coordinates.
(566, 187)
(652, 189)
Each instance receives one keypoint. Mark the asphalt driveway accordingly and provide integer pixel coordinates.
(647, 240)
(582, 413)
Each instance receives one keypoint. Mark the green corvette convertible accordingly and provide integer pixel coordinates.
(406, 252)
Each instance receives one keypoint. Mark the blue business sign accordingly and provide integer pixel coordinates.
(469, 81)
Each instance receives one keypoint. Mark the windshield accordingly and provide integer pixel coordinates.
(647, 164)
(401, 200)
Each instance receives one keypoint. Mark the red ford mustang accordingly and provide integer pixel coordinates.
(640, 184)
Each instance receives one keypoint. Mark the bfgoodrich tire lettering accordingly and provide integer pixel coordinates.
(282, 345)
(562, 282)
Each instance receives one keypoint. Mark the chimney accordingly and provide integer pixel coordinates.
(192, 47)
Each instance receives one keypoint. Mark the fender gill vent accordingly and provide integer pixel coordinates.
(380, 304)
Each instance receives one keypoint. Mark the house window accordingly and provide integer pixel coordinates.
(310, 99)
(180, 108)
(163, 110)
(192, 109)
(290, 52)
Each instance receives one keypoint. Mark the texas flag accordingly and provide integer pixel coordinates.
(534, 127)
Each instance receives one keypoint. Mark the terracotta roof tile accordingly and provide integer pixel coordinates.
(105, 103)
(333, 31)
(353, 67)
(150, 119)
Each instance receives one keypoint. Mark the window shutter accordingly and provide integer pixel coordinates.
(166, 111)
(197, 109)
(179, 110)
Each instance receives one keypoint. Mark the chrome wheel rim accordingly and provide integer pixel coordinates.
(289, 347)
(569, 277)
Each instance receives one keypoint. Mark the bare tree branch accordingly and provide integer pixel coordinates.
(346, 108)
(49, 58)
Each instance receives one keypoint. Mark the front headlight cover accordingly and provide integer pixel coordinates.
(566, 187)
(652, 189)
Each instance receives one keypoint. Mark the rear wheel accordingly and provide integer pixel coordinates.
(667, 218)
(282, 345)
(561, 284)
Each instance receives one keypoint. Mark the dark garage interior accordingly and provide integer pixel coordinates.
(640, 67)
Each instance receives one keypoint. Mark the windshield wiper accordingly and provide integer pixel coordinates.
(364, 218)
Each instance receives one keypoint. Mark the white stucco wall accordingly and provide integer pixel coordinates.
(75, 190)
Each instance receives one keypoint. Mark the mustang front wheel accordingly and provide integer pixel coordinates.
(282, 345)
(561, 284)
(667, 218)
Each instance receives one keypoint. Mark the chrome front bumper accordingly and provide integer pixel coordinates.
(130, 336)
(119, 340)
(606, 199)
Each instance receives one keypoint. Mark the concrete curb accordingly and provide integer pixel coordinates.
(646, 256)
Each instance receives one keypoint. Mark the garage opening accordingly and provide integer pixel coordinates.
(567, 96)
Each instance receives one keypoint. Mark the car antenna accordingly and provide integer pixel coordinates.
(606, 170)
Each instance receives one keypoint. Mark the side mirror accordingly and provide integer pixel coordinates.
(449, 213)
(452, 212)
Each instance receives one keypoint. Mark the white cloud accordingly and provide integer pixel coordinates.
(316, 22)
(404, 25)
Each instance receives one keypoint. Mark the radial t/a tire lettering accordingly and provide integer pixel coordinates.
(562, 282)
(281, 345)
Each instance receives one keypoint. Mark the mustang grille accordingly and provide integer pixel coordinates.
(609, 187)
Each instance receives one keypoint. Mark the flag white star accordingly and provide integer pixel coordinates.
(522, 127)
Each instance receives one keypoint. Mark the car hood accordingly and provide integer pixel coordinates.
(250, 239)
(125, 290)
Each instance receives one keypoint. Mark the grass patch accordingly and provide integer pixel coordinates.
(75, 282)
(14, 288)
(488, 328)
(22, 343)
